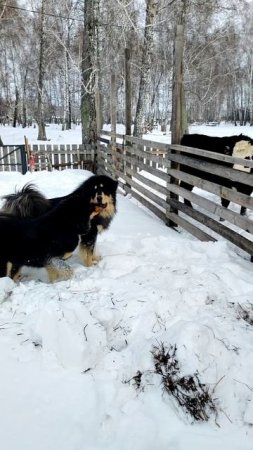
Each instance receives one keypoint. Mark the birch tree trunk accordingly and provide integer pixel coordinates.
(88, 105)
(68, 119)
(151, 12)
(16, 104)
(250, 94)
(128, 94)
(24, 109)
(67, 113)
(40, 111)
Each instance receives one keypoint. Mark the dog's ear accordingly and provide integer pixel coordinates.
(115, 182)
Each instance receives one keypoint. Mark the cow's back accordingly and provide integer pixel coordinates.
(211, 143)
(224, 145)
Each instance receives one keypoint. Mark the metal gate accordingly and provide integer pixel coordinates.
(13, 158)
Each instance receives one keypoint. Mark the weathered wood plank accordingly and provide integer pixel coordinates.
(146, 142)
(218, 210)
(146, 203)
(212, 155)
(156, 172)
(152, 184)
(188, 226)
(217, 189)
(108, 133)
(222, 171)
(146, 192)
(104, 140)
(140, 156)
(107, 171)
(217, 227)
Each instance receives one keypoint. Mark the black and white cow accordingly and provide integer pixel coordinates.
(240, 146)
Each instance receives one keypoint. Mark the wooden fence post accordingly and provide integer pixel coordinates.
(23, 157)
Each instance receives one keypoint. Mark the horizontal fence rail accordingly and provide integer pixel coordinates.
(152, 173)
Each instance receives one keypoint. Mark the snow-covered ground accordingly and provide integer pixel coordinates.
(69, 351)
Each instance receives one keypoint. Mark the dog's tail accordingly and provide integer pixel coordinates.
(27, 202)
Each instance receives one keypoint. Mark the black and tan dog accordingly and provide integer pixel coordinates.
(101, 189)
(34, 242)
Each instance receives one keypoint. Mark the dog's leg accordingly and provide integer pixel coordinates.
(9, 266)
(10, 270)
(88, 241)
(86, 255)
(5, 269)
(13, 271)
(58, 270)
(87, 247)
(67, 255)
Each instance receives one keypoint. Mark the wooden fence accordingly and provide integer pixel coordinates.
(150, 171)
(68, 156)
(13, 158)
(47, 157)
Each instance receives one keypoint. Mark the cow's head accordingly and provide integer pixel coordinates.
(243, 149)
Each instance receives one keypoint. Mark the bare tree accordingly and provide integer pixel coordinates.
(40, 111)
(179, 121)
(41, 56)
(88, 108)
(151, 12)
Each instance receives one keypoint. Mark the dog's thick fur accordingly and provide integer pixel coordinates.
(29, 202)
(33, 242)
(225, 145)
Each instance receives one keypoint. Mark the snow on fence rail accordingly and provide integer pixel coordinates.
(151, 171)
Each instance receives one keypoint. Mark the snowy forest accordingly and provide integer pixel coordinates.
(54, 55)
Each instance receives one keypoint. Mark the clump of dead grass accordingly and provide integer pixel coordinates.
(245, 313)
(188, 391)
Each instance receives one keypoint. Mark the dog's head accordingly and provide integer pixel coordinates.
(102, 190)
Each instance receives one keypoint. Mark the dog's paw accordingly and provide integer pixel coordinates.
(58, 270)
(96, 259)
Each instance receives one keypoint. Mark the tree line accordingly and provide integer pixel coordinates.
(58, 60)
